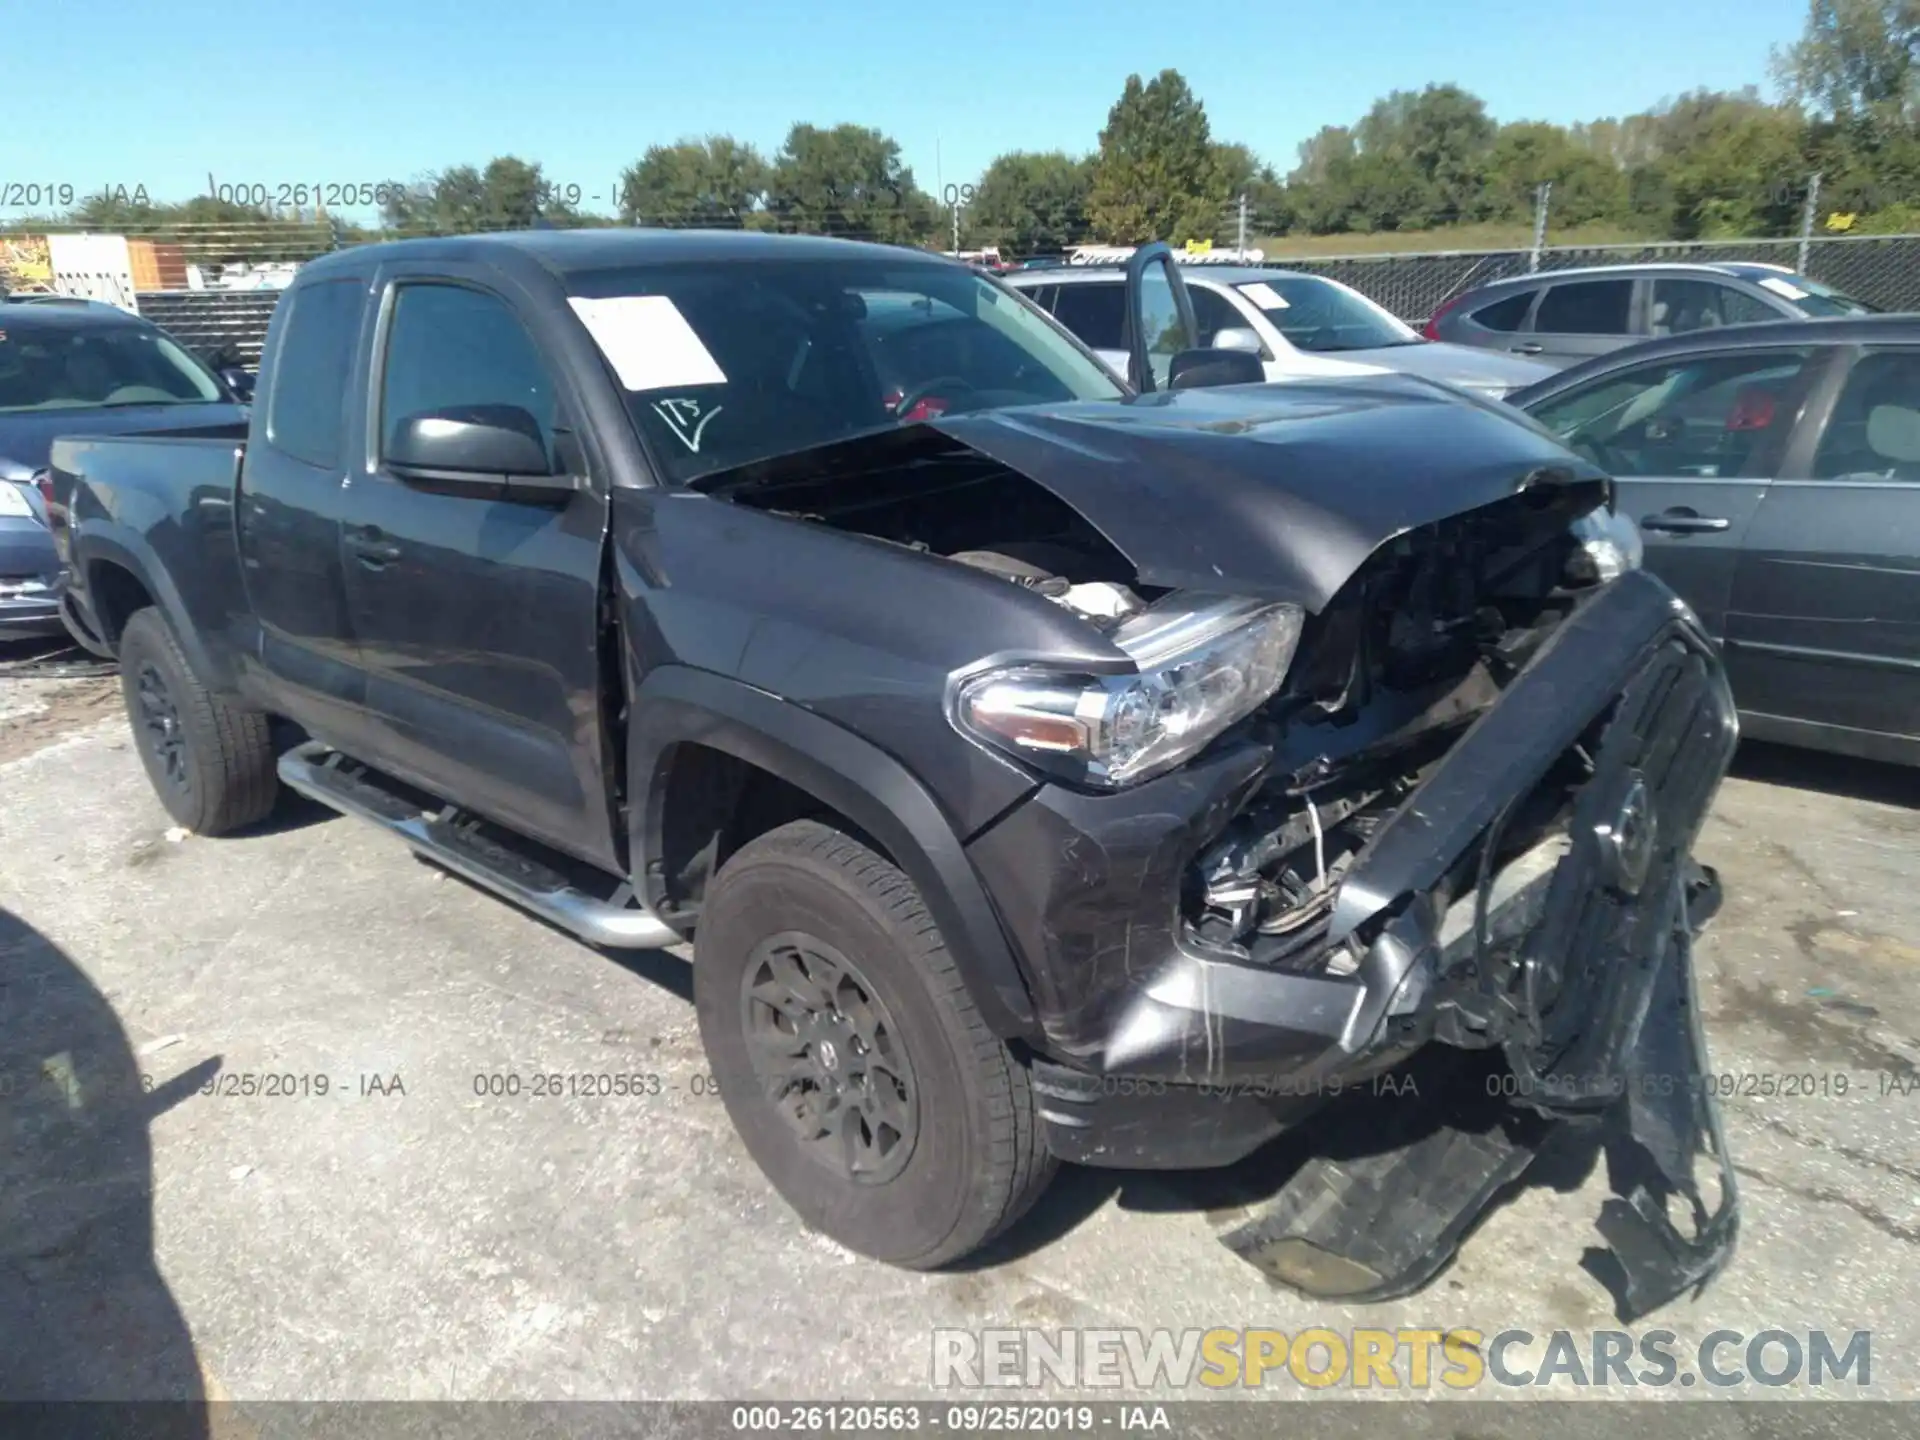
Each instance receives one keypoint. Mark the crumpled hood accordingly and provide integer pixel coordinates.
(1280, 491)
(1275, 490)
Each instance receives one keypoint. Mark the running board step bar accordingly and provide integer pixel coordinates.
(620, 922)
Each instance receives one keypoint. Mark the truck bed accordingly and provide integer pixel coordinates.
(167, 500)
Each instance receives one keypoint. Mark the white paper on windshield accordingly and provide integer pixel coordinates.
(1264, 295)
(1783, 288)
(648, 342)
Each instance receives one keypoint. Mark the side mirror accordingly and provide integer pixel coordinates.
(499, 448)
(1238, 337)
(1192, 369)
(239, 381)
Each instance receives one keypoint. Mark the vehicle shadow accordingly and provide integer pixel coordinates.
(83, 1308)
(1870, 780)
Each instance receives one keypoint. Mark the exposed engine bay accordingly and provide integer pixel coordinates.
(1380, 851)
(1415, 647)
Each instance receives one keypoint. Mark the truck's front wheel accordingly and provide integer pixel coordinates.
(211, 763)
(850, 1058)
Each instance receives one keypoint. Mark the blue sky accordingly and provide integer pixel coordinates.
(349, 91)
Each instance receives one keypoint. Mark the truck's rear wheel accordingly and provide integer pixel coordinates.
(850, 1057)
(211, 763)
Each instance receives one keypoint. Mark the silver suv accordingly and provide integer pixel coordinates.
(1566, 316)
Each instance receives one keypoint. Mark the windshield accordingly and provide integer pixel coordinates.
(1810, 297)
(48, 368)
(1319, 315)
(724, 364)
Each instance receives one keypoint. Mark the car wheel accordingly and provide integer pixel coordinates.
(850, 1058)
(211, 763)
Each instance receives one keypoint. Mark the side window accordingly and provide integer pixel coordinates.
(1041, 295)
(449, 347)
(1737, 307)
(312, 368)
(1165, 335)
(1095, 312)
(1875, 430)
(1585, 307)
(1504, 315)
(1705, 417)
(1212, 313)
(1683, 305)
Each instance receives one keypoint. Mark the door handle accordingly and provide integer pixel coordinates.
(1682, 521)
(1530, 347)
(371, 547)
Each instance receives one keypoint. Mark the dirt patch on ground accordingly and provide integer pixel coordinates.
(37, 713)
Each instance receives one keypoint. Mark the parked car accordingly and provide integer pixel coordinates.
(1298, 325)
(1774, 472)
(1566, 316)
(79, 367)
(1101, 771)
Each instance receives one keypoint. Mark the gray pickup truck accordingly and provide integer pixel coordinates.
(1124, 773)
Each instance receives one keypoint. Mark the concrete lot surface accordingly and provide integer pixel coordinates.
(406, 1236)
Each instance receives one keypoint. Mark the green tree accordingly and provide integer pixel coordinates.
(1241, 173)
(1530, 153)
(507, 193)
(1156, 177)
(1444, 134)
(1729, 165)
(848, 180)
(717, 181)
(1031, 203)
(1856, 57)
(1319, 189)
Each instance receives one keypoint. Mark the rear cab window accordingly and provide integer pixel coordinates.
(313, 366)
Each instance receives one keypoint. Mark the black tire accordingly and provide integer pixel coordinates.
(976, 1160)
(214, 769)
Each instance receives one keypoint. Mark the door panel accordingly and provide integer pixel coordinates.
(1825, 619)
(1691, 442)
(303, 662)
(478, 619)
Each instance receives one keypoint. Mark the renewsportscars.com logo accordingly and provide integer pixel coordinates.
(1416, 1359)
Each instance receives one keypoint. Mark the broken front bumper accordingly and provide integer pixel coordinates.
(1571, 959)
(1089, 888)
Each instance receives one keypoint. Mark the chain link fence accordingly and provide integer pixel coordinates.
(214, 285)
(1882, 270)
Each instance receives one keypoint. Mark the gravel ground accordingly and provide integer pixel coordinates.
(405, 1237)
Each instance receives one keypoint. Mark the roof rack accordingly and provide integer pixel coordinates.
(1119, 254)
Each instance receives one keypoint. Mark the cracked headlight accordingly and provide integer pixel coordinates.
(1203, 662)
(1610, 542)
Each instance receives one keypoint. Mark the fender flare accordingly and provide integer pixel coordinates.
(122, 546)
(676, 704)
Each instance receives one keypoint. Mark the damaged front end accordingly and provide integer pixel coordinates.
(1393, 758)
(1464, 824)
